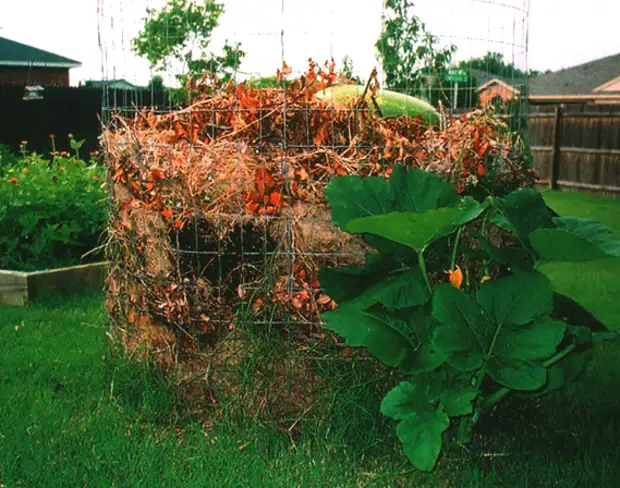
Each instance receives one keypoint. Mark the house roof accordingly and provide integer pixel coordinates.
(483, 79)
(578, 80)
(14, 53)
(119, 84)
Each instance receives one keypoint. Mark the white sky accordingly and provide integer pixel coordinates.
(562, 33)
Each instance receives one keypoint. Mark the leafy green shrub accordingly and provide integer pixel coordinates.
(453, 298)
(51, 212)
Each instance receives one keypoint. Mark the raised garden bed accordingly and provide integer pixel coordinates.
(20, 288)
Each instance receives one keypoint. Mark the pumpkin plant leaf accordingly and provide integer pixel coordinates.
(362, 329)
(574, 239)
(516, 374)
(352, 197)
(418, 230)
(509, 332)
(517, 299)
(458, 401)
(422, 422)
(420, 434)
(417, 325)
(417, 190)
(522, 212)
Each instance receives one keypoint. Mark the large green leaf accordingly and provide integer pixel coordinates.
(408, 397)
(417, 325)
(462, 335)
(349, 282)
(404, 290)
(574, 239)
(509, 332)
(532, 342)
(516, 258)
(517, 299)
(422, 420)
(418, 230)
(420, 434)
(417, 190)
(352, 197)
(458, 401)
(523, 212)
(516, 374)
(362, 329)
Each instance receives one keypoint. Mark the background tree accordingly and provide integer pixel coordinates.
(181, 33)
(494, 63)
(411, 57)
(346, 72)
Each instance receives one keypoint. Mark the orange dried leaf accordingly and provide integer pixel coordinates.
(275, 199)
(167, 213)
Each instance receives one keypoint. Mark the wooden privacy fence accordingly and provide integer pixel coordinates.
(577, 147)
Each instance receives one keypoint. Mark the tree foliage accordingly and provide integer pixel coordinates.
(495, 64)
(410, 55)
(181, 33)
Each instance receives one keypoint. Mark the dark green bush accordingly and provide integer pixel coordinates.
(51, 211)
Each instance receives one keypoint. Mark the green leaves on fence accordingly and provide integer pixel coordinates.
(574, 239)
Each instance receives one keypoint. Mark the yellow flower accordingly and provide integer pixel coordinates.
(485, 279)
(456, 277)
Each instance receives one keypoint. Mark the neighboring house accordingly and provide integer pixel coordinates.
(493, 89)
(113, 84)
(597, 81)
(21, 64)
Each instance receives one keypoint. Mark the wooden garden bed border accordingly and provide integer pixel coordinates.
(20, 288)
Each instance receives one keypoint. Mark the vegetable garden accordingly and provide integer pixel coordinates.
(303, 220)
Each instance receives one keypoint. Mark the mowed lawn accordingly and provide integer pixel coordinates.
(73, 415)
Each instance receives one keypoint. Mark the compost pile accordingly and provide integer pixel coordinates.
(219, 219)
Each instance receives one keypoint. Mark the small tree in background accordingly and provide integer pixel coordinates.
(494, 63)
(181, 33)
(410, 55)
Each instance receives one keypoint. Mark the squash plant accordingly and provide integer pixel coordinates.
(453, 298)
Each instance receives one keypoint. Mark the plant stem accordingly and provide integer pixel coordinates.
(422, 264)
(455, 247)
(502, 392)
(467, 421)
(559, 356)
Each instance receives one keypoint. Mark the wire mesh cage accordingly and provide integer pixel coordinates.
(219, 221)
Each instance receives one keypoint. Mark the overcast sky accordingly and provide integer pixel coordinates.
(562, 33)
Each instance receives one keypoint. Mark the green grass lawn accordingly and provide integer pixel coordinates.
(72, 415)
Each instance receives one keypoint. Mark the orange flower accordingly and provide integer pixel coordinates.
(25, 171)
(15, 181)
(52, 136)
(456, 277)
(485, 279)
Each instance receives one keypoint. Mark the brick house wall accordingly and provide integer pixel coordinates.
(493, 91)
(10, 75)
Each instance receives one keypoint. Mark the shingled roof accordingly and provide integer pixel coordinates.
(14, 53)
(578, 80)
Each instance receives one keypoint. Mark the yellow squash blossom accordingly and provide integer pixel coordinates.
(456, 277)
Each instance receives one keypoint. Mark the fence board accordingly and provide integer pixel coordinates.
(586, 142)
